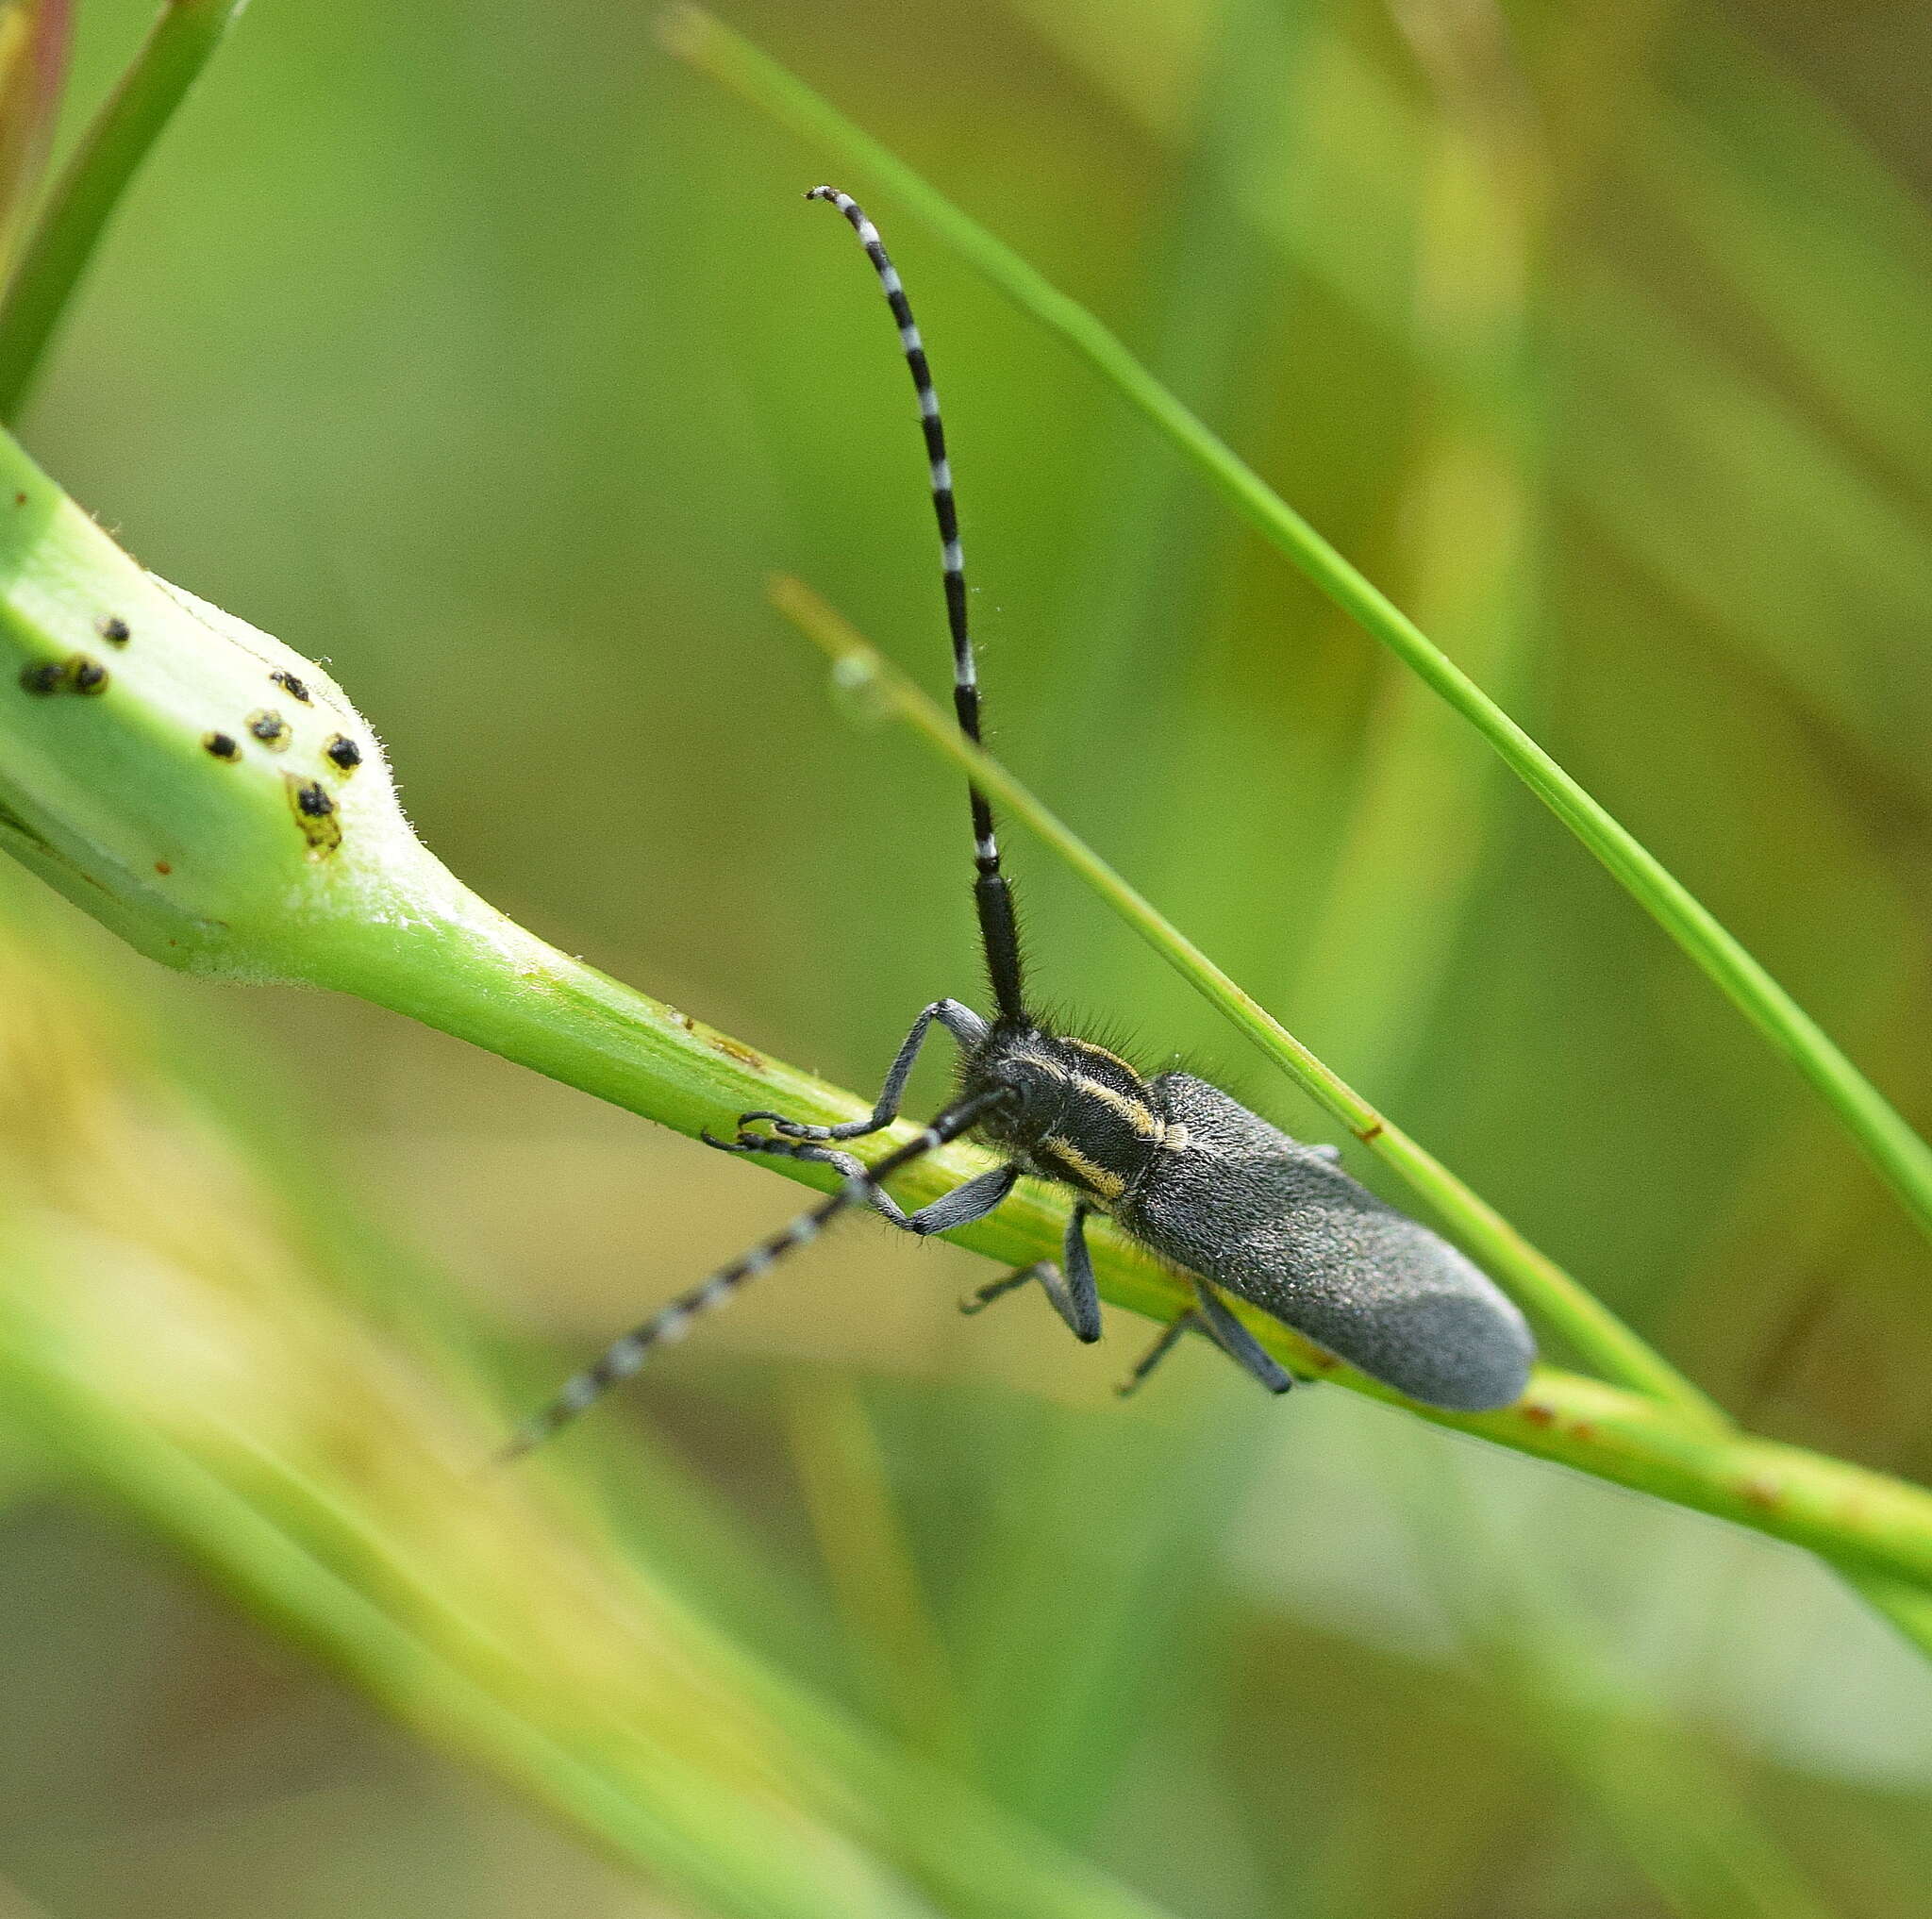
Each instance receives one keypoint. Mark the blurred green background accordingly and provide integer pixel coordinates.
(490, 354)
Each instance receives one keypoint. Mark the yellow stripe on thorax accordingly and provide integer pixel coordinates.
(1137, 1112)
(1098, 1053)
(1108, 1185)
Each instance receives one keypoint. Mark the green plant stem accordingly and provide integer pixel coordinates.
(1584, 1321)
(178, 47)
(474, 975)
(96, 789)
(1902, 1159)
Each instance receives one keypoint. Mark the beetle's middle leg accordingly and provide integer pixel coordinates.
(1075, 1297)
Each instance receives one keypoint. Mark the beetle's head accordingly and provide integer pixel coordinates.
(1019, 1064)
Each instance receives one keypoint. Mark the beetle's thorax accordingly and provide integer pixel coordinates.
(1075, 1113)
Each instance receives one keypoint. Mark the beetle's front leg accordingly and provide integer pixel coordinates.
(965, 1025)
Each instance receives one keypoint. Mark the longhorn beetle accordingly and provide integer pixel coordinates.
(1175, 1162)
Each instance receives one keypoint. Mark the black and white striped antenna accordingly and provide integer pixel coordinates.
(623, 1356)
(998, 930)
(1288, 1231)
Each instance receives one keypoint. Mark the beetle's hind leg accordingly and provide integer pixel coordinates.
(1169, 1338)
(1075, 1297)
(965, 1025)
(1237, 1343)
(1209, 1315)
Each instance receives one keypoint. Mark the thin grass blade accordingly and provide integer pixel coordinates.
(183, 39)
(1895, 1150)
(36, 37)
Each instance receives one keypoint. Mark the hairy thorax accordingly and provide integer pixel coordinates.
(1075, 1112)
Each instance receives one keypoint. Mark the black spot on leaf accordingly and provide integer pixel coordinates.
(315, 813)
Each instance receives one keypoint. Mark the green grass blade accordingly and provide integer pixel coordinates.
(1651, 1782)
(35, 38)
(1897, 1153)
(178, 47)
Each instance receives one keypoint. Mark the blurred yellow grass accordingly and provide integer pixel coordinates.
(166, 1337)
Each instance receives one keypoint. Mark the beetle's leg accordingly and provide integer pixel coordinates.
(983, 1296)
(966, 1203)
(1209, 1315)
(1236, 1341)
(1169, 1338)
(1075, 1298)
(965, 1025)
